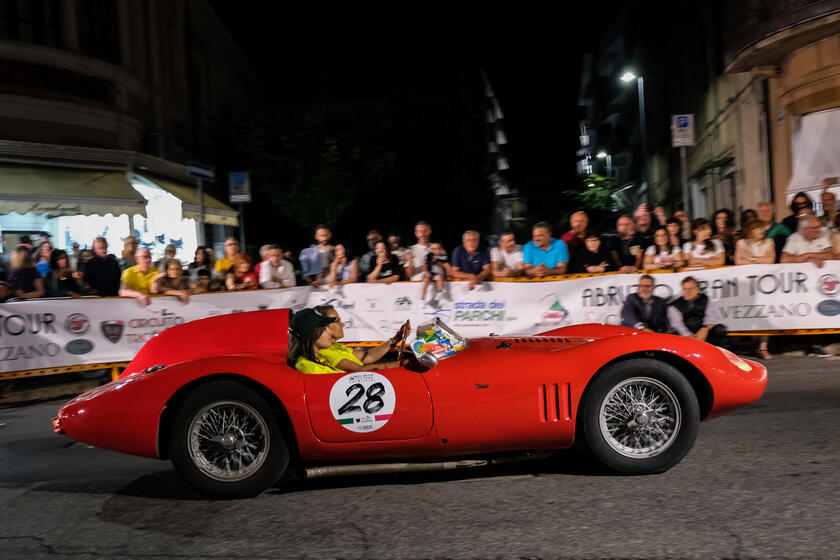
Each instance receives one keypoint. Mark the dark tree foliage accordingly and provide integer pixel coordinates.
(311, 161)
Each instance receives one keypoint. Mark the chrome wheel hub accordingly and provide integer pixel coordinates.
(640, 417)
(228, 440)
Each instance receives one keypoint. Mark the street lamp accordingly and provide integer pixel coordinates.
(604, 155)
(628, 77)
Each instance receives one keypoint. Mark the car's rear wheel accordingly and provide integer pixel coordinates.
(226, 441)
(640, 416)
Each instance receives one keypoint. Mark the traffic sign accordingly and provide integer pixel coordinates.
(682, 130)
(240, 186)
(201, 171)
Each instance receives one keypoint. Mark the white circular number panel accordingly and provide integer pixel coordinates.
(362, 401)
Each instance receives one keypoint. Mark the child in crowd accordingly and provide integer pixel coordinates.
(436, 269)
(205, 283)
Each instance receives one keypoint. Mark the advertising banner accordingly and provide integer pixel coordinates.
(53, 333)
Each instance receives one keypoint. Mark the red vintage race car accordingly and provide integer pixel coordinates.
(217, 397)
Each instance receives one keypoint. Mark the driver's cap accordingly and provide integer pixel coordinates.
(306, 321)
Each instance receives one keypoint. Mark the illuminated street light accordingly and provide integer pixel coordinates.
(604, 155)
(626, 78)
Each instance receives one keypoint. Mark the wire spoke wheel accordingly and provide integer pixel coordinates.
(640, 417)
(228, 441)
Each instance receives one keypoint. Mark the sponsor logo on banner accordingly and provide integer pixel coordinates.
(829, 307)
(439, 313)
(157, 324)
(780, 311)
(77, 323)
(784, 282)
(78, 347)
(403, 304)
(554, 314)
(479, 311)
(113, 330)
(371, 305)
(339, 304)
(29, 352)
(829, 284)
(22, 323)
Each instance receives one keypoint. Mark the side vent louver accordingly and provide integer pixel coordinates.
(554, 402)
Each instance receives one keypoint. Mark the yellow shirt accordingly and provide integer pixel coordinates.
(308, 366)
(222, 265)
(136, 280)
(337, 352)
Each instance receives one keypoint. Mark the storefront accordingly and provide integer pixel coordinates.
(75, 206)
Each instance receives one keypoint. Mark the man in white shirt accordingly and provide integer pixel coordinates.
(275, 271)
(810, 244)
(506, 259)
(415, 259)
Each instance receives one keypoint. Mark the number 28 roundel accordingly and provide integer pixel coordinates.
(362, 401)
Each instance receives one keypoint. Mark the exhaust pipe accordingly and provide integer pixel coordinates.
(384, 468)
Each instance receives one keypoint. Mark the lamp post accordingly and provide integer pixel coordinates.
(626, 78)
(604, 155)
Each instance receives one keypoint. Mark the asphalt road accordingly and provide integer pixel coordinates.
(760, 483)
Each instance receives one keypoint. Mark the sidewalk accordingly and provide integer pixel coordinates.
(26, 391)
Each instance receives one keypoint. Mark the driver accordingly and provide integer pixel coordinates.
(347, 359)
(312, 333)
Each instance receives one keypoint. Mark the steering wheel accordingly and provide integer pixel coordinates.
(406, 330)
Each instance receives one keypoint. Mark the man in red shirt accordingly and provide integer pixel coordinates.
(576, 236)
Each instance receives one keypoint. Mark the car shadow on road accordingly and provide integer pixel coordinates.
(566, 462)
(168, 485)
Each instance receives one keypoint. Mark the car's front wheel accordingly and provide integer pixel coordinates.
(640, 416)
(226, 441)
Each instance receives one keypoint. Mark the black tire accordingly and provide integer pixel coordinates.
(608, 425)
(250, 437)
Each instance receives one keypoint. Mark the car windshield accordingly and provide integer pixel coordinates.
(436, 337)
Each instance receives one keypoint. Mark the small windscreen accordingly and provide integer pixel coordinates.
(436, 337)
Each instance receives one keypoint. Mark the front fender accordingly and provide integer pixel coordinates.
(732, 381)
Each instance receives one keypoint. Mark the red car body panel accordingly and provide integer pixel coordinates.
(499, 394)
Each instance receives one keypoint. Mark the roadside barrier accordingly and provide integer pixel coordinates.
(47, 336)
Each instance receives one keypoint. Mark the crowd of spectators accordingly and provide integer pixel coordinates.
(647, 240)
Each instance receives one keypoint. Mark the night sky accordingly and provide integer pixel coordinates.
(532, 60)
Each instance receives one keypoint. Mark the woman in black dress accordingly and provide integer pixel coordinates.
(60, 280)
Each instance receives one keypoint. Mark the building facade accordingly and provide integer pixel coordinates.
(762, 79)
(104, 87)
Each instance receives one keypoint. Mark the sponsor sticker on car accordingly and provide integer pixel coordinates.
(362, 401)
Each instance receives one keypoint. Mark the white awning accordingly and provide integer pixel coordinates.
(215, 211)
(816, 155)
(67, 192)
